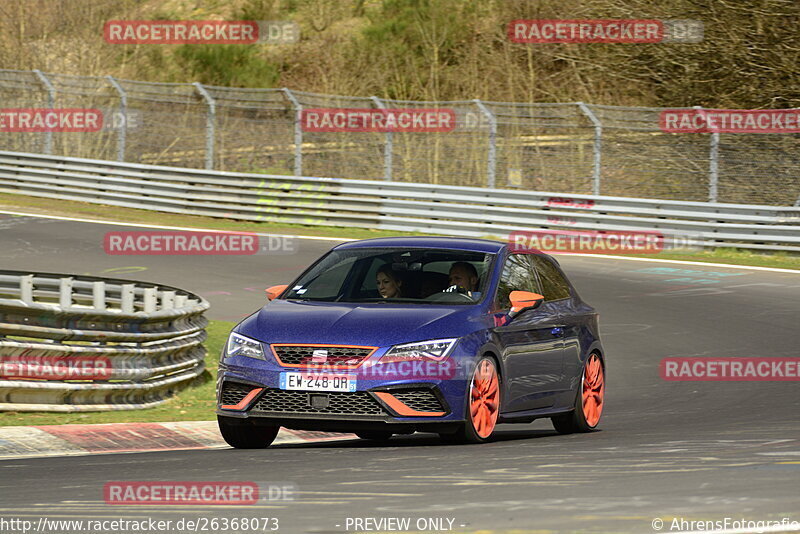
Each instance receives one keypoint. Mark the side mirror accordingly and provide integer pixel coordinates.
(524, 300)
(274, 291)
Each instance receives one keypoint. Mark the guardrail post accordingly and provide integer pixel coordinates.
(126, 298)
(123, 106)
(51, 103)
(598, 146)
(298, 131)
(167, 300)
(149, 299)
(388, 146)
(26, 288)
(65, 293)
(211, 119)
(491, 158)
(99, 296)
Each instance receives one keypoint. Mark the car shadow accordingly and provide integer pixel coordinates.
(419, 439)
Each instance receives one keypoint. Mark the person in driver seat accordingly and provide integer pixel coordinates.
(388, 282)
(463, 275)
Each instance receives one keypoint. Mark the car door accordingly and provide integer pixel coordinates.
(559, 299)
(531, 344)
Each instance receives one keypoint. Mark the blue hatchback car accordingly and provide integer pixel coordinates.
(397, 335)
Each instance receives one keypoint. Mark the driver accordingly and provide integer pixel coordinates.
(463, 275)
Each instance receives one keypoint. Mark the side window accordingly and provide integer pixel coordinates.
(554, 285)
(518, 275)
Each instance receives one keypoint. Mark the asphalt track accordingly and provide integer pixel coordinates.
(693, 450)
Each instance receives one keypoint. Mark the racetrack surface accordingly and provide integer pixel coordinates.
(697, 450)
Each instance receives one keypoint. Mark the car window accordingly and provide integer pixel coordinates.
(418, 276)
(326, 285)
(554, 284)
(518, 275)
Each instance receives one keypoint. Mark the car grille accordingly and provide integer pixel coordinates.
(422, 400)
(299, 402)
(338, 356)
(233, 393)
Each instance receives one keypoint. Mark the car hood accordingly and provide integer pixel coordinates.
(378, 324)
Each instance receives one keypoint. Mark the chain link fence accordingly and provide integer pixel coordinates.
(563, 148)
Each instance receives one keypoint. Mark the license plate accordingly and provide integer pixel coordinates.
(317, 382)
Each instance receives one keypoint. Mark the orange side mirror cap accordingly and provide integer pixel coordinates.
(524, 300)
(275, 291)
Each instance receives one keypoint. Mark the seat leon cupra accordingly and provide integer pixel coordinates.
(399, 335)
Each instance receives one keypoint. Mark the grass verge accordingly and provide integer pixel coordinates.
(68, 208)
(196, 403)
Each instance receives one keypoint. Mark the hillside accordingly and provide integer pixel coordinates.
(433, 49)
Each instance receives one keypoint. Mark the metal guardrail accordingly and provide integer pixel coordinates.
(80, 343)
(569, 147)
(428, 208)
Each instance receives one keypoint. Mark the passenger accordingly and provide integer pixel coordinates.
(388, 282)
(463, 275)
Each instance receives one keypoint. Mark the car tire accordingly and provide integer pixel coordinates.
(482, 405)
(589, 400)
(375, 435)
(245, 435)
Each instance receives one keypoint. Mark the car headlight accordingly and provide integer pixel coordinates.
(435, 350)
(239, 345)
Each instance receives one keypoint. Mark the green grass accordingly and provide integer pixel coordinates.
(195, 403)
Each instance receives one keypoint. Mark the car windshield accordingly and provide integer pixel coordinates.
(389, 275)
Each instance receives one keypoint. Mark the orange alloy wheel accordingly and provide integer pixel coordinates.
(594, 387)
(484, 398)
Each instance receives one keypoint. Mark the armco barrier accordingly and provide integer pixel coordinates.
(80, 343)
(428, 208)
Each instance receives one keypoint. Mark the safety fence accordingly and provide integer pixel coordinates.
(426, 208)
(73, 343)
(568, 148)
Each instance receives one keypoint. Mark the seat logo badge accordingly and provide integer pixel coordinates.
(319, 356)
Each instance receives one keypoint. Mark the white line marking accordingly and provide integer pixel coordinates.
(684, 262)
(164, 227)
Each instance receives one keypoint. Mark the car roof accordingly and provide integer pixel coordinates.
(447, 243)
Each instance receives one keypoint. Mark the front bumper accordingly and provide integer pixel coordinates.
(391, 404)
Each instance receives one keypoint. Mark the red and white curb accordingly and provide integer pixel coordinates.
(75, 440)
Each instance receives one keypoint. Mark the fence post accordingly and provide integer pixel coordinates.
(713, 161)
(51, 103)
(210, 124)
(491, 158)
(123, 106)
(298, 132)
(598, 146)
(388, 146)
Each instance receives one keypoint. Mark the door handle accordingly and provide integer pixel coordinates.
(557, 331)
